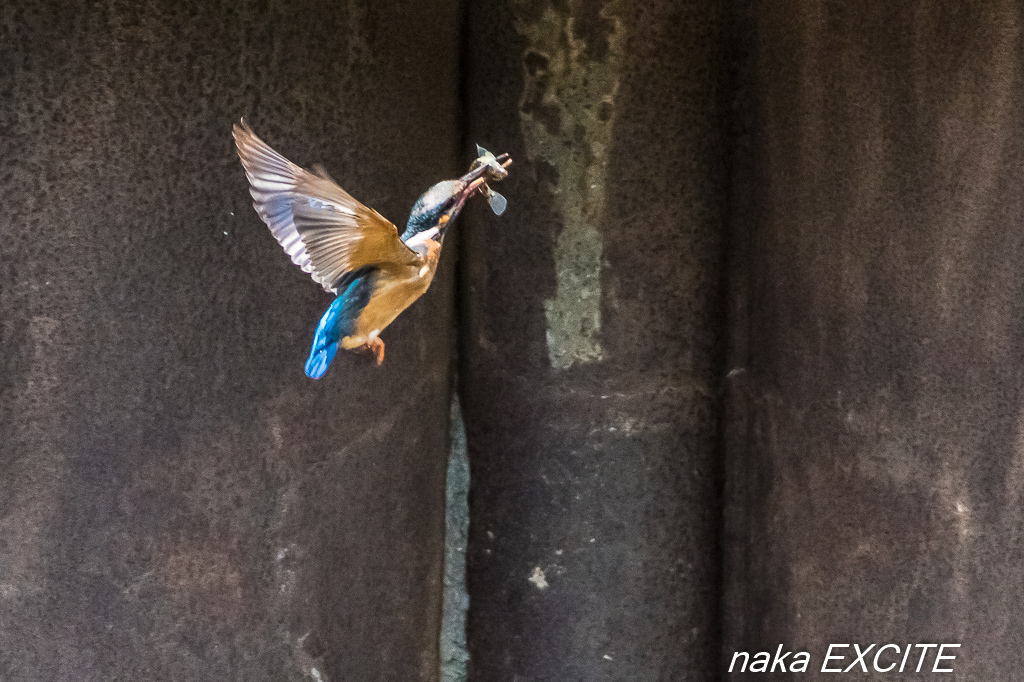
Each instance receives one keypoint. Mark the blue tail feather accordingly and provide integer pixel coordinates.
(337, 322)
(319, 360)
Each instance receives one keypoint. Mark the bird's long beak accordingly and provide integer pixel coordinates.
(475, 181)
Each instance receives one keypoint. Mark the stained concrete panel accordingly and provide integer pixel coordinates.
(875, 413)
(590, 341)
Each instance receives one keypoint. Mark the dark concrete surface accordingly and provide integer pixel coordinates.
(177, 501)
(590, 341)
(875, 460)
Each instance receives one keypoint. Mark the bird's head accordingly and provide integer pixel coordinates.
(441, 204)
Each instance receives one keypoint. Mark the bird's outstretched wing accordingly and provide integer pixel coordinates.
(321, 227)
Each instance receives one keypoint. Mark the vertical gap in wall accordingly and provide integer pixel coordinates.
(456, 600)
(454, 654)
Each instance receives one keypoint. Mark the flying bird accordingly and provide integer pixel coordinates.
(353, 251)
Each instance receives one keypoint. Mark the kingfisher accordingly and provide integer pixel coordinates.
(353, 251)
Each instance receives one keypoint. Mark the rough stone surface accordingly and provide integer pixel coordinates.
(594, 503)
(177, 501)
(876, 461)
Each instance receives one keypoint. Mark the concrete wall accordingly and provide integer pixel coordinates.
(739, 367)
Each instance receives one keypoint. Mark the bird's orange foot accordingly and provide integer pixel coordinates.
(377, 346)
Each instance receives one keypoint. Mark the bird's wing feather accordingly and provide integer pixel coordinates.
(325, 231)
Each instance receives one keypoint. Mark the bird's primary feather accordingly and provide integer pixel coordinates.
(324, 230)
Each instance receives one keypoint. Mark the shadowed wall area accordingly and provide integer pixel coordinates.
(177, 501)
(875, 459)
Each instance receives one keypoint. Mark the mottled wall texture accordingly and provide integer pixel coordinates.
(876, 420)
(740, 366)
(177, 501)
(592, 324)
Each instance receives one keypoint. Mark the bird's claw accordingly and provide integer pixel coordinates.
(377, 347)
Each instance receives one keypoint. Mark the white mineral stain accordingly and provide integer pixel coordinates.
(566, 115)
(538, 579)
